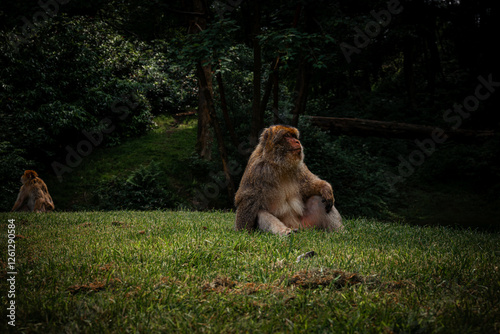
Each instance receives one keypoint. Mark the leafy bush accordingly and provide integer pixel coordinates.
(76, 72)
(144, 189)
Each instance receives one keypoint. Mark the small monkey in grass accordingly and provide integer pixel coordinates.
(278, 193)
(33, 195)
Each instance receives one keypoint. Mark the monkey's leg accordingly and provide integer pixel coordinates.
(39, 205)
(315, 216)
(48, 204)
(334, 221)
(21, 198)
(18, 206)
(268, 222)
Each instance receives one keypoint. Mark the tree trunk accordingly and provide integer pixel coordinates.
(272, 86)
(276, 115)
(434, 62)
(267, 92)
(218, 133)
(257, 112)
(365, 127)
(205, 137)
(303, 78)
(409, 76)
(225, 112)
(304, 72)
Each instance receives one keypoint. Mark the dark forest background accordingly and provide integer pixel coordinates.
(106, 71)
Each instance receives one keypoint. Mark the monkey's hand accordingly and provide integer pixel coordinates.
(327, 194)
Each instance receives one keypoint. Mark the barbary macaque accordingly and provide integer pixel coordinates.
(278, 193)
(33, 195)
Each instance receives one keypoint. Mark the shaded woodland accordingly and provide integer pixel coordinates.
(397, 101)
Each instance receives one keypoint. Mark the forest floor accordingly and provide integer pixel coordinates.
(190, 272)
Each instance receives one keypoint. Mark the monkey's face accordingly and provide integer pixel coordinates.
(292, 145)
(281, 144)
(28, 175)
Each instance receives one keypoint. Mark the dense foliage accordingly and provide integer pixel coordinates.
(66, 80)
(144, 189)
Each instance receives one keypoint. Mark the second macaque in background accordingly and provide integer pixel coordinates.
(33, 195)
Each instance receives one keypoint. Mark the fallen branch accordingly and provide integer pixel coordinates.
(365, 127)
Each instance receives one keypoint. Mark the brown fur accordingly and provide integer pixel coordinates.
(278, 193)
(33, 195)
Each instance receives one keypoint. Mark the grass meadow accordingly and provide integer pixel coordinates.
(190, 272)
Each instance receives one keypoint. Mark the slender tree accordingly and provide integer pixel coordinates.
(225, 111)
(198, 23)
(257, 112)
(218, 132)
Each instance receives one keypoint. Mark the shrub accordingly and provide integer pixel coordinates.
(68, 77)
(144, 189)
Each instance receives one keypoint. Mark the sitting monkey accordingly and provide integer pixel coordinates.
(278, 193)
(33, 195)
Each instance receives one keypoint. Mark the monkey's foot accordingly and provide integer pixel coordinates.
(288, 231)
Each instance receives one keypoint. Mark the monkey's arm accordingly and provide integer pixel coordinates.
(20, 199)
(312, 185)
(49, 203)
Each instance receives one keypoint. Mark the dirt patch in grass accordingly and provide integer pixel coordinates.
(313, 279)
(219, 284)
(316, 278)
(94, 286)
(222, 284)
(304, 279)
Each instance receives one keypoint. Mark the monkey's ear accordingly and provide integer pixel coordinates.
(294, 132)
(264, 136)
